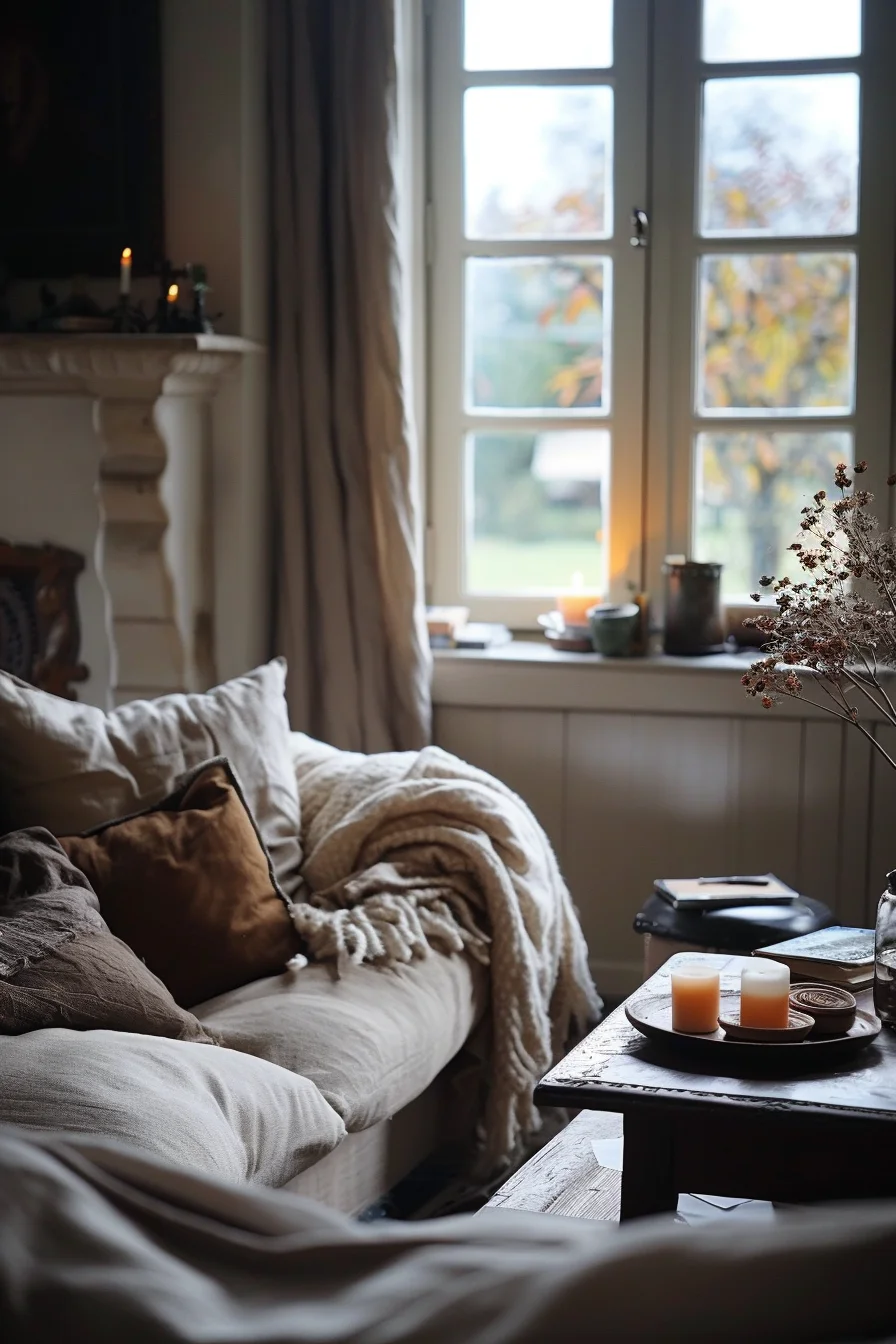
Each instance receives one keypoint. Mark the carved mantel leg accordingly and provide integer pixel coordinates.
(147, 647)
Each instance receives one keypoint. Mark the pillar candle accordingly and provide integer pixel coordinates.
(124, 286)
(574, 606)
(695, 998)
(765, 995)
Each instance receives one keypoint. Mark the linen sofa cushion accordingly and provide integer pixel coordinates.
(59, 964)
(189, 886)
(372, 1039)
(70, 767)
(213, 1110)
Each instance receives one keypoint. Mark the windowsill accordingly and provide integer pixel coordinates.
(528, 674)
(538, 652)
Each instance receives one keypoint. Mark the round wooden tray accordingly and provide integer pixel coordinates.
(653, 1018)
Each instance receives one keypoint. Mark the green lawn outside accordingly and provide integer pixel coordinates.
(498, 566)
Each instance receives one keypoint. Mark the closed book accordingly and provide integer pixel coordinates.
(721, 893)
(838, 955)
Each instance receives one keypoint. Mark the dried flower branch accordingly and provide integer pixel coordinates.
(825, 634)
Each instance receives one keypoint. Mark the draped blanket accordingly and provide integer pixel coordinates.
(407, 852)
(100, 1244)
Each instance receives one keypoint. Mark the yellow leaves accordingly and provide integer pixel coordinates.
(776, 330)
(737, 205)
(578, 302)
(580, 381)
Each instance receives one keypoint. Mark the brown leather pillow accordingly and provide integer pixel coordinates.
(189, 885)
(59, 964)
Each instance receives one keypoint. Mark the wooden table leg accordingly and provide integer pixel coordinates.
(648, 1184)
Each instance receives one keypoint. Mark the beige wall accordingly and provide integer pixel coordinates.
(47, 494)
(213, 97)
(214, 186)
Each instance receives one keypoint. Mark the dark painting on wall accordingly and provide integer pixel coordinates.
(80, 136)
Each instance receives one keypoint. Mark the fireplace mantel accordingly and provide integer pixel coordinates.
(158, 644)
(48, 365)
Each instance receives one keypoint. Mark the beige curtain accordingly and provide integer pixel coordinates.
(347, 600)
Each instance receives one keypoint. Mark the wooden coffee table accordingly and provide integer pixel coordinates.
(787, 1139)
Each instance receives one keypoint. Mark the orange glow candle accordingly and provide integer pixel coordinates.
(124, 285)
(765, 994)
(695, 998)
(574, 605)
(172, 295)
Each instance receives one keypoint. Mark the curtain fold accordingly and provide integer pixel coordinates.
(347, 592)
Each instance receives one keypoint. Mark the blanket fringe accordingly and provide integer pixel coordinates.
(414, 852)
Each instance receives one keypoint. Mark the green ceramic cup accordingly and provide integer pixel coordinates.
(613, 628)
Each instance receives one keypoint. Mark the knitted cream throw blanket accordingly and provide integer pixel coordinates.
(412, 851)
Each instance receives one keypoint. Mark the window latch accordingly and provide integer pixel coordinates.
(640, 228)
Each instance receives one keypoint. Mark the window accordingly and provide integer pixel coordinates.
(661, 284)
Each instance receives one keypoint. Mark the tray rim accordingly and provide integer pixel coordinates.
(708, 1044)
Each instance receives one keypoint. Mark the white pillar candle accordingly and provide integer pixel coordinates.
(695, 998)
(124, 284)
(765, 994)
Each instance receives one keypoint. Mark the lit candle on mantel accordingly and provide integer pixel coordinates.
(124, 286)
(173, 292)
(765, 994)
(695, 998)
(573, 606)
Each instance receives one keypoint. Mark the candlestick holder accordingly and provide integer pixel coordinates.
(170, 317)
(130, 319)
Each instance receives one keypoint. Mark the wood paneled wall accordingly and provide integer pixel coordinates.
(630, 796)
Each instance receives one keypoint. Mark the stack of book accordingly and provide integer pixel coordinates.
(837, 956)
(721, 893)
(443, 624)
(451, 628)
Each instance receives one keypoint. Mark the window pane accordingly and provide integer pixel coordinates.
(780, 30)
(780, 155)
(776, 333)
(749, 492)
(538, 162)
(536, 511)
(536, 333)
(538, 34)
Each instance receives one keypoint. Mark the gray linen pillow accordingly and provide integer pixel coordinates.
(70, 767)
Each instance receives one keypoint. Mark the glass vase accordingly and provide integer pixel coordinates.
(885, 955)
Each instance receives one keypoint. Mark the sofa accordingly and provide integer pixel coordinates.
(373, 1083)
(340, 1073)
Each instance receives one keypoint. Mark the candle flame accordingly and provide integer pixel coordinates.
(172, 293)
(126, 254)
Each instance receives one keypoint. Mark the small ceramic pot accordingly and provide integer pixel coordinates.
(613, 628)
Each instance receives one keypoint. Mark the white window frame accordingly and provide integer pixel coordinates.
(657, 77)
(449, 422)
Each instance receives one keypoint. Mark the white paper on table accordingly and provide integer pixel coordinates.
(696, 1208)
(608, 1153)
(724, 1201)
(693, 1209)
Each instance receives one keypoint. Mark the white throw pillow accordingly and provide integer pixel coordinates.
(69, 766)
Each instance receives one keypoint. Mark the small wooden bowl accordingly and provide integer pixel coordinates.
(798, 1027)
(831, 1008)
